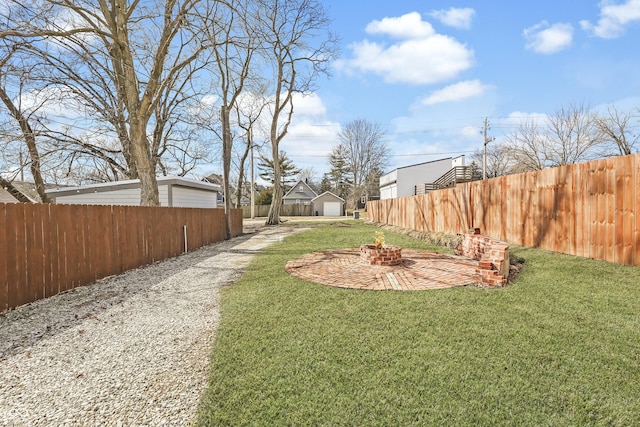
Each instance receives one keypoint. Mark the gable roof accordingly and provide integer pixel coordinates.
(307, 192)
(132, 183)
(6, 196)
(21, 191)
(328, 193)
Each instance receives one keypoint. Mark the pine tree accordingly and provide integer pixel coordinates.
(288, 170)
(339, 175)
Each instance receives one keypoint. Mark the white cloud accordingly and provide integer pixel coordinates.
(455, 17)
(50, 102)
(456, 92)
(470, 133)
(420, 57)
(517, 118)
(547, 39)
(311, 135)
(614, 18)
(309, 105)
(408, 26)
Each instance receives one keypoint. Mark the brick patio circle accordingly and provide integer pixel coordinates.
(419, 270)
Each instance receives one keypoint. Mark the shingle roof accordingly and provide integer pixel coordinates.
(304, 193)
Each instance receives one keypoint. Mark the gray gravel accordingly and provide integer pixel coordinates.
(132, 349)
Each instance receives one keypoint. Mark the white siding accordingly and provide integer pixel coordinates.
(389, 192)
(389, 177)
(411, 176)
(458, 161)
(408, 177)
(184, 197)
(125, 197)
(388, 185)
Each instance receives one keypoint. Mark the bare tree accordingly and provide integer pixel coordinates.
(528, 147)
(298, 48)
(499, 161)
(22, 118)
(248, 112)
(308, 175)
(616, 129)
(568, 136)
(573, 134)
(143, 45)
(366, 152)
(228, 30)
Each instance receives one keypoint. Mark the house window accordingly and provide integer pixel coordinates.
(297, 201)
(301, 188)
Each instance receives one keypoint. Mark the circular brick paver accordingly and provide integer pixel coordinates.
(420, 270)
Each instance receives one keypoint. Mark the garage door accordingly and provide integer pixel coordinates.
(332, 208)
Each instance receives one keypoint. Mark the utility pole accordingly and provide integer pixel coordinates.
(253, 181)
(487, 139)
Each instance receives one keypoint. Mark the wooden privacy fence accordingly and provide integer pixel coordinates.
(285, 210)
(589, 209)
(47, 249)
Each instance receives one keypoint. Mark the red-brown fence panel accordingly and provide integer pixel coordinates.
(48, 249)
(5, 232)
(589, 209)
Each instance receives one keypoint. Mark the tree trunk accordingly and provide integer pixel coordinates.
(241, 178)
(226, 166)
(13, 191)
(278, 191)
(146, 170)
(30, 140)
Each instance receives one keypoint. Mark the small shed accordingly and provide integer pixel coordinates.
(172, 190)
(299, 194)
(328, 204)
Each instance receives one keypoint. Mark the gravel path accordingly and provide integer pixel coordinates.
(132, 349)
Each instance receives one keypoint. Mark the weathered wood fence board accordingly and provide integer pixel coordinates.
(285, 210)
(47, 249)
(589, 209)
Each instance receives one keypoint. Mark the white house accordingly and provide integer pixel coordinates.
(402, 182)
(172, 190)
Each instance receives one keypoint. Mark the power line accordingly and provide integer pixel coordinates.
(441, 153)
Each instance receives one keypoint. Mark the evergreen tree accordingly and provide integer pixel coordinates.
(288, 170)
(339, 175)
(325, 184)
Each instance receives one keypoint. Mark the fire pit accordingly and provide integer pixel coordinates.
(387, 255)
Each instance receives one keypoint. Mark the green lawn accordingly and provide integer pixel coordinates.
(558, 346)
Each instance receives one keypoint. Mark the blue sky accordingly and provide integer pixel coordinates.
(429, 72)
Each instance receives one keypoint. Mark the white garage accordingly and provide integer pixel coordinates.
(172, 191)
(332, 208)
(328, 204)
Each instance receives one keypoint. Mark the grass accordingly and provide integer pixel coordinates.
(558, 346)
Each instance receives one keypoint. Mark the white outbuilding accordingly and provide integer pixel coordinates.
(172, 190)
